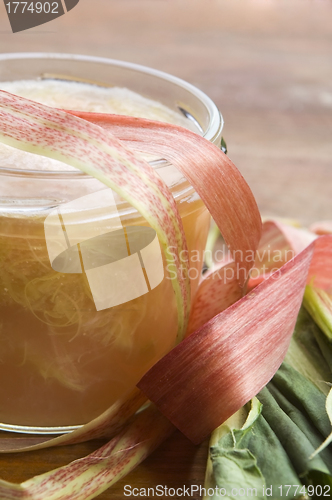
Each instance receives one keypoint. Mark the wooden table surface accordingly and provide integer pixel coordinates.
(268, 66)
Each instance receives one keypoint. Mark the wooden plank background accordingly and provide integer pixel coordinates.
(268, 66)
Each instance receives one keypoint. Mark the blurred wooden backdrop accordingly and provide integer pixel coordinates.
(266, 63)
(268, 66)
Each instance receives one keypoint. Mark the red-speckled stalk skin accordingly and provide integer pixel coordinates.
(215, 178)
(221, 366)
(278, 244)
(222, 286)
(87, 477)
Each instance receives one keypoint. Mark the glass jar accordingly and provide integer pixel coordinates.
(68, 349)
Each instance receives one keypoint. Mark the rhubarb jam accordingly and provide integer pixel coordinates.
(67, 350)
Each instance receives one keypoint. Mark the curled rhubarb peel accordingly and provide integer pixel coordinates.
(220, 284)
(278, 244)
(215, 178)
(221, 366)
(232, 212)
(87, 477)
(297, 238)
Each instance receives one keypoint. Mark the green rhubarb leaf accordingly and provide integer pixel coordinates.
(234, 466)
(229, 200)
(303, 395)
(328, 440)
(252, 457)
(321, 482)
(295, 442)
(235, 469)
(275, 446)
(305, 425)
(310, 353)
(318, 303)
(328, 405)
(326, 351)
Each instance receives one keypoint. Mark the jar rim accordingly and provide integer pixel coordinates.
(212, 131)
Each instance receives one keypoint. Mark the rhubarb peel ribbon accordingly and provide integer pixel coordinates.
(215, 178)
(221, 366)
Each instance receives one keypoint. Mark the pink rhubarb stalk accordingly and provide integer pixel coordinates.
(214, 177)
(87, 477)
(279, 243)
(220, 367)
